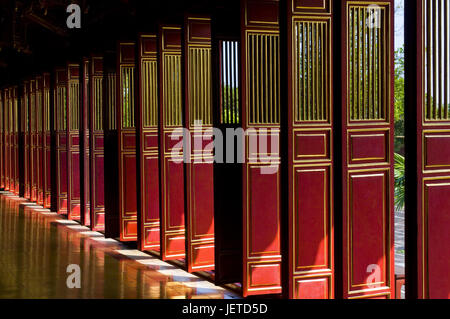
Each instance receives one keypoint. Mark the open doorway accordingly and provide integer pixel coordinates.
(399, 100)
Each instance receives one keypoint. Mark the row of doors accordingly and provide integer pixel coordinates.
(311, 212)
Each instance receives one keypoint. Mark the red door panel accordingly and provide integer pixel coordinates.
(147, 122)
(14, 126)
(96, 141)
(73, 141)
(2, 140)
(309, 172)
(39, 139)
(85, 145)
(16, 139)
(198, 120)
(427, 118)
(33, 141)
(46, 141)
(127, 141)
(368, 134)
(60, 100)
(171, 120)
(7, 122)
(26, 139)
(260, 56)
(5, 128)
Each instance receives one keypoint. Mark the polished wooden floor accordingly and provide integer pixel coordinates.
(37, 246)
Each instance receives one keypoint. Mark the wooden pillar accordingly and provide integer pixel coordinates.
(112, 222)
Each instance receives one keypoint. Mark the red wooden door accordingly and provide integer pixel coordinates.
(199, 167)
(26, 139)
(60, 122)
(39, 139)
(33, 141)
(85, 145)
(6, 122)
(367, 117)
(309, 153)
(13, 128)
(97, 142)
(260, 69)
(171, 152)
(73, 141)
(427, 116)
(46, 142)
(16, 139)
(2, 140)
(147, 123)
(12, 166)
(126, 124)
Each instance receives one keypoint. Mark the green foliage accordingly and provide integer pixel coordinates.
(399, 91)
(399, 173)
(230, 108)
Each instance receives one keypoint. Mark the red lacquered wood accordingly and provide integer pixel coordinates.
(85, 171)
(148, 149)
(261, 189)
(367, 191)
(14, 185)
(126, 125)
(96, 143)
(2, 140)
(172, 166)
(26, 139)
(60, 120)
(73, 141)
(198, 120)
(310, 259)
(33, 141)
(40, 138)
(16, 139)
(46, 142)
(12, 137)
(427, 150)
(6, 125)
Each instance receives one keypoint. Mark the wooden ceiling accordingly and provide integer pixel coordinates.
(34, 36)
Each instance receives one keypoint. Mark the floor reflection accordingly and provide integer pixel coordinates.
(36, 247)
